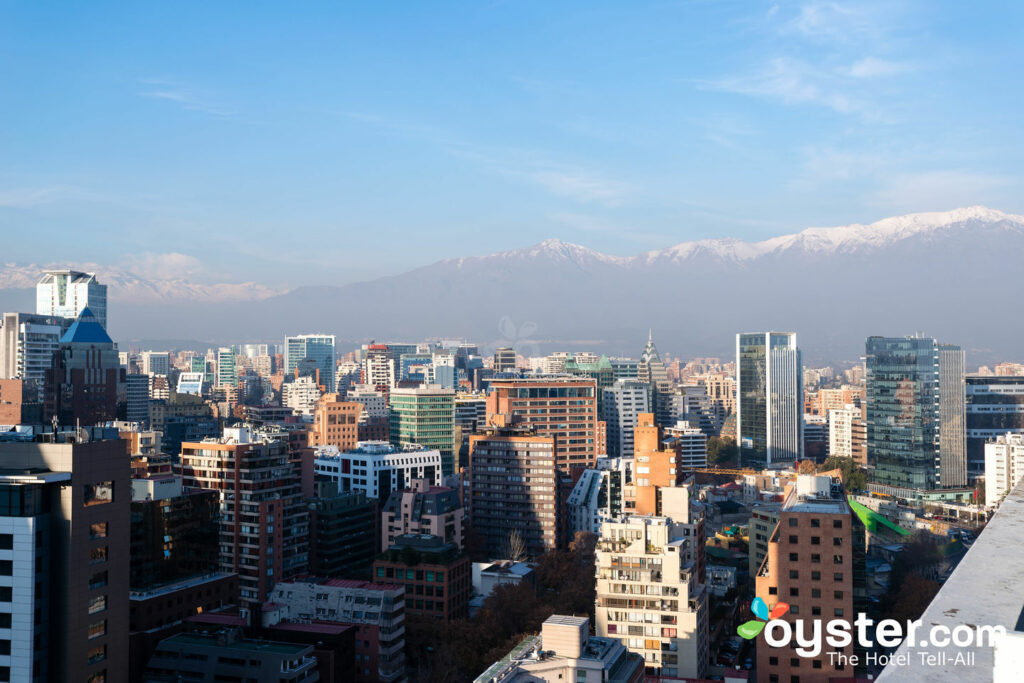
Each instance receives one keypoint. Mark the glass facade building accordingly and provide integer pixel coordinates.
(994, 406)
(425, 416)
(317, 347)
(915, 412)
(769, 390)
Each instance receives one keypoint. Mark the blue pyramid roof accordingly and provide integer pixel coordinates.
(86, 330)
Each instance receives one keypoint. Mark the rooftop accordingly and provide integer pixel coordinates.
(985, 589)
(197, 639)
(86, 330)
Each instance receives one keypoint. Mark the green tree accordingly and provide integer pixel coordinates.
(853, 476)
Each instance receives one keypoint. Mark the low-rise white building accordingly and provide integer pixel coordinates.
(1004, 466)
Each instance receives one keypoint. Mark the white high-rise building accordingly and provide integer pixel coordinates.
(67, 292)
(1004, 466)
(155, 362)
(840, 431)
(622, 402)
(691, 444)
(651, 586)
(27, 344)
(301, 395)
(770, 396)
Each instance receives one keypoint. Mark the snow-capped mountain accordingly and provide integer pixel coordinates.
(954, 275)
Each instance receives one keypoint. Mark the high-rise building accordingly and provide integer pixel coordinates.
(599, 495)
(317, 347)
(652, 370)
(504, 359)
(64, 539)
(137, 398)
(915, 413)
(377, 468)
(769, 396)
(561, 407)
(651, 588)
(379, 367)
(155, 362)
(380, 647)
(689, 443)
(27, 344)
(342, 538)
(514, 489)
(1004, 466)
(86, 383)
(423, 508)
(68, 292)
(847, 433)
(810, 565)
(425, 416)
(335, 423)
(301, 395)
(264, 522)
(437, 575)
(623, 402)
(995, 407)
(227, 370)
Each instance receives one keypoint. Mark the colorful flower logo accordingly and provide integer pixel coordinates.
(750, 629)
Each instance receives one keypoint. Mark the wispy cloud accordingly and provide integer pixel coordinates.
(25, 197)
(571, 181)
(945, 188)
(183, 96)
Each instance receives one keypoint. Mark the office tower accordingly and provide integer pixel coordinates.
(27, 344)
(425, 416)
(721, 390)
(227, 371)
(317, 347)
(423, 508)
(952, 417)
(437, 576)
(560, 407)
(413, 366)
(513, 488)
(470, 412)
(335, 422)
(86, 383)
(380, 645)
(995, 407)
(137, 398)
(64, 530)
(504, 359)
(597, 368)
(342, 538)
(650, 369)
(764, 517)
(68, 292)
(623, 402)
(847, 433)
(264, 523)
(565, 651)
(689, 443)
(915, 413)
(624, 368)
(810, 565)
(191, 383)
(155, 362)
(1004, 466)
(692, 404)
(376, 468)
(769, 396)
(651, 590)
(379, 367)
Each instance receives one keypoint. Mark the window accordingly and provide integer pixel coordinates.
(815, 523)
(5, 647)
(816, 559)
(773, 661)
(97, 654)
(98, 530)
(838, 576)
(816, 664)
(772, 590)
(815, 592)
(98, 580)
(839, 611)
(98, 555)
(815, 611)
(792, 521)
(794, 540)
(97, 604)
(99, 493)
(98, 629)
(837, 524)
(794, 574)
(5, 619)
(837, 559)
(5, 593)
(795, 609)
(815, 576)
(98, 677)
(837, 541)
(792, 557)
(794, 592)
(838, 595)
(6, 567)
(815, 540)
(6, 541)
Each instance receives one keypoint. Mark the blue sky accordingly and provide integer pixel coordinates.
(304, 143)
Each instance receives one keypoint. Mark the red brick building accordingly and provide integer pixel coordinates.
(437, 576)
